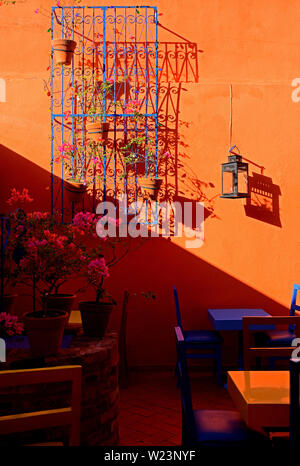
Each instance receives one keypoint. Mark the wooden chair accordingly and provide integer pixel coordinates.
(123, 364)
(294, 403)
(279, 337)
(203, 344)
(210, 428)
(267, 351)
(25, 422)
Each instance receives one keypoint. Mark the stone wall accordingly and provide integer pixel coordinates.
(100, 391)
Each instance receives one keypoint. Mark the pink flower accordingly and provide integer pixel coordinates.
(18, 197)
(36, 11)
(67, 114)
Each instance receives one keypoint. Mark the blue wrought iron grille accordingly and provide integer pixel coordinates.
(115, 45)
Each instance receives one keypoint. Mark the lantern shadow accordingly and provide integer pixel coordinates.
(263, 201)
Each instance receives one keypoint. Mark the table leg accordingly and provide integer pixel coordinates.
(240, 351)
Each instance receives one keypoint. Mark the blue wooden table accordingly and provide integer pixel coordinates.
(232, 319)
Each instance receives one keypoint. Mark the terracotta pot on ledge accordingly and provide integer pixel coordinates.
(95, 317)
(45, 331)
(74, 191)
(63, 51)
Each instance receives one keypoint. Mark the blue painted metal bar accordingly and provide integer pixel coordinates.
(84, 100)
(115, 106)
(62, 126)
(94, 103)
(125, 99)
(103, 98)
(111, 18)
(52, 132)
(135, 96)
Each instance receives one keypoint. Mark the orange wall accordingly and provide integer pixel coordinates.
(252, 45)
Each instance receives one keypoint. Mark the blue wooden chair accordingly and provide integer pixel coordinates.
(210, 428)
(279, 337)
(201, 341)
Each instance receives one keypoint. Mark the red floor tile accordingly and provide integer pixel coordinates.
(151, 410)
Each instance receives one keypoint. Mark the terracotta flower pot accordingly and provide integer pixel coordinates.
(45, 332)
(7, 303)
(97, 130)
(75, 191)
(150, 187)
(95, 317)
(60, 301)
(63, 51)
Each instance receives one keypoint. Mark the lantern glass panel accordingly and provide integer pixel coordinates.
(242, 180)
(228, 182)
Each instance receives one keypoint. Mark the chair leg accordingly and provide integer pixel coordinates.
(272, 363)
(219, 364)
(258, 363)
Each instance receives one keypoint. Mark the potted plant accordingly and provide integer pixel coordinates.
(47, 256)
(91, 97)
(10, 232)
(95, 314)
(94, 269)
(140, 150)
(75, 168)
(63, 50)
(7, 300)
(10, 326)
(64, 47)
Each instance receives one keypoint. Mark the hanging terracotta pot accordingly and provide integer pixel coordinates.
(59, 301)
(75, 191)
(95, 317)
(7, 303)
(97, 130)
(63, 51)
(45, 331)
(150, 187)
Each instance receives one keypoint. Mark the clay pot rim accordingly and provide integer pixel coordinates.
(61, 295)
(108, 303)
(31, 315)
(8, 295)
(61, 39)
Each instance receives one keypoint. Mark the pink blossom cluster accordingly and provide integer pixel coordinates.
(132, 106)
(9, 325)
(64, 151)
(19, 197)
(85, 223)
(38, 215)
(97, 270)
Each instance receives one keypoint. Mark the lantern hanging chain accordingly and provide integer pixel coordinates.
(262, 168)
(230, 119)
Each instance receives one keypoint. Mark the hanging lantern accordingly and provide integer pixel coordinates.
(235, 177)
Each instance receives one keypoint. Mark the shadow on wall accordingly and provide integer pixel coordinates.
(155, 266)
(263, 203)
(159, 265)
(19, 172)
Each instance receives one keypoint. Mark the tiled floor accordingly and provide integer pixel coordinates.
(151, 410)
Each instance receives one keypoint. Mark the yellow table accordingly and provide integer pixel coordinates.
(262, 397)
(75, 318)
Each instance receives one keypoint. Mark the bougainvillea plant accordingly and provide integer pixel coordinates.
(10, 325)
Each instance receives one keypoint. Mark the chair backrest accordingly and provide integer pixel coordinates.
(188, 419)
(273, 351)
(178, 315)
(294, 402)
(294, 307)
(25, 422)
